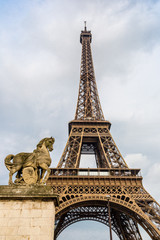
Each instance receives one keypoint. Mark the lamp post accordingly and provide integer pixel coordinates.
(109, 217)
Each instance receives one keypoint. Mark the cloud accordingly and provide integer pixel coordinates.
(137, 160)
(152, 179)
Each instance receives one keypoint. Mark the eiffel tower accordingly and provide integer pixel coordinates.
(112, 193)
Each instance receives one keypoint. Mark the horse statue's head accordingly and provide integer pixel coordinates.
(48, 143)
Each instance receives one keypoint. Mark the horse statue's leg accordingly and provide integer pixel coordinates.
(38, 174)
(45, 168)
(12, 171)
(10, 178)
(42, 175)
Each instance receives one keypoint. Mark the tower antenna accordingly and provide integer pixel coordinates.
(85, 28)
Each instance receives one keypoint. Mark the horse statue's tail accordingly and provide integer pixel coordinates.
(8, 162)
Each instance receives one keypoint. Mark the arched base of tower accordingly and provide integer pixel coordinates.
(125, 216)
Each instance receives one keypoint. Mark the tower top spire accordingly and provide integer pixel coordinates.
(85, 27)
(88, 105)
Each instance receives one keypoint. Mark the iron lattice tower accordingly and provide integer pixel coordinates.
(112, 193)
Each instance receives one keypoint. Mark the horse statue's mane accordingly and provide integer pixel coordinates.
(39, 145)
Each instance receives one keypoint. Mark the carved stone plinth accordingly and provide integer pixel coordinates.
(27, 212)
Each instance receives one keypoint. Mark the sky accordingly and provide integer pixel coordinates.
(40, 57)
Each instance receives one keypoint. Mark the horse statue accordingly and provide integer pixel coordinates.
(31, 167)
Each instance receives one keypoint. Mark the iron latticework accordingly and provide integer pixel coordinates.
(92, 138)
(88, 105)
(86, 194)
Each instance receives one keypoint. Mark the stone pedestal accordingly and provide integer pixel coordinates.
(27, 212)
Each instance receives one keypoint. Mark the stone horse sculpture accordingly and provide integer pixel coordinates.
(31, 167)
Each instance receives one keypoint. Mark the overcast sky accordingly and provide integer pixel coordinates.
(39, 75)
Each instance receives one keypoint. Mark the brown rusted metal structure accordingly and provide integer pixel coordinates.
(112, 193)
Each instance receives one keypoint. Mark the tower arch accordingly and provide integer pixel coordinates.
(96, 209)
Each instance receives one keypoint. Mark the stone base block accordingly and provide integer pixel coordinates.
(27, 212)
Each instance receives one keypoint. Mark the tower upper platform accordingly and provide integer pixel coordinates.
(85, 34)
